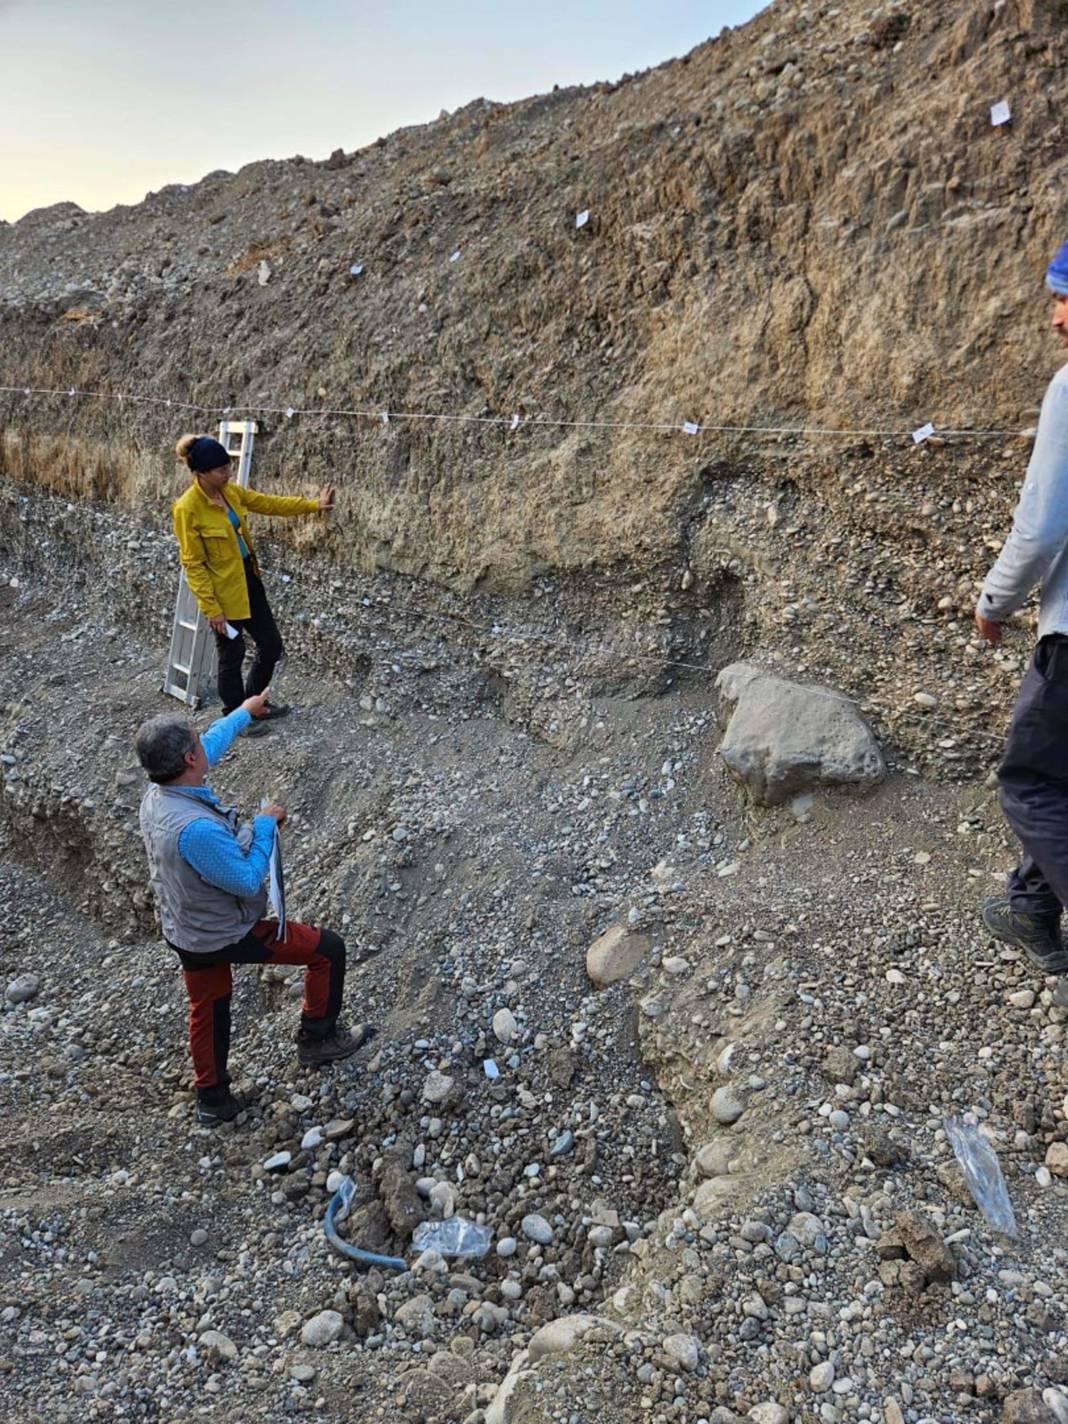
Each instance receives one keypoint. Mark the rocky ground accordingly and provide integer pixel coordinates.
(698, 1172)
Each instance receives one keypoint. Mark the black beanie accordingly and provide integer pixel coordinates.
(206, 454)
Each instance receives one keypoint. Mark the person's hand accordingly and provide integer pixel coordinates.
(326, 498)
(257, 704)
(990, 630)
(218, 623)
(278, 812)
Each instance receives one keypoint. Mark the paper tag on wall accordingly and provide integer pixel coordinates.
(355, 269)
(690, 427)
(1000, 113)
(581, 219)
(923, 433)
(455, 256)
(515, 423)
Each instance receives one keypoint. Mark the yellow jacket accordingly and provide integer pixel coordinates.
(207, 543)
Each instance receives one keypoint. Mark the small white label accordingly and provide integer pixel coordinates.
(230, 631)
(355, 269)
(290, 412)
(581, 219)
(384, 417)
(690, 427)
(515, 423)
(455, 256)
(923, 433)
(1000, 113)
(286, 578)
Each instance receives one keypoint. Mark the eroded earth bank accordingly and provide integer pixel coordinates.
(719, 1186)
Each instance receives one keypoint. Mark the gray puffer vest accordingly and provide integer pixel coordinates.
(196, 915)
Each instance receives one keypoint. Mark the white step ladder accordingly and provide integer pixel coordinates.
(191, 659)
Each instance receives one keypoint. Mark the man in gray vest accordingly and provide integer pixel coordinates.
(208, 870)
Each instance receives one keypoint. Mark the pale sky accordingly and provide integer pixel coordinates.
(102, 101)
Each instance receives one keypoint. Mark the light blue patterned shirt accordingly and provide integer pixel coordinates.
(206, 844)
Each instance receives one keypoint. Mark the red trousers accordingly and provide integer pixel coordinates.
(209, 981)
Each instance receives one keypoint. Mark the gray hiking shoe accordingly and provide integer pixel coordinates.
(1038, 937)
(316, 1050)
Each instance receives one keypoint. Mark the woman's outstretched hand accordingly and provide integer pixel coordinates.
(326, 498)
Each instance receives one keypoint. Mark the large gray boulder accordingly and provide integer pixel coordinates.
(784, 737)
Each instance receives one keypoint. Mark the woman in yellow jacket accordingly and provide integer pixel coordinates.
(220, 565)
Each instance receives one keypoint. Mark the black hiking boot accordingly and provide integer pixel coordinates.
(215, 1109)
(315, 1050)
(1038, 936)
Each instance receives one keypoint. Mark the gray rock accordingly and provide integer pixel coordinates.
(417, 1315)
(322, 1329)
(728, 1104)
(220, 1344)
(23, 989)
(536, 1228)
(564, 1333)
(713, 1159)
(821, 1377)
(784, 737)
(684, 1351)
(505, 1027)
(615, 955)
(500, 1410)
(438, 1087)
(769, 1413)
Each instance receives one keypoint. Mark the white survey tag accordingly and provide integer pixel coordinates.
(690, 427)
(923, 433)
(1000, 113)
(581, 219)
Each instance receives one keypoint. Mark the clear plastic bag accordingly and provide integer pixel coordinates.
(982, 1173)
(455, 1236)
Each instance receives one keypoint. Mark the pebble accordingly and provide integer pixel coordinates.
(322, 1329)
(728, 1104)
(277, 1162)
(535, 1228)
(505, 1027)
(507, 1246)
(770, 1413)
(438, 1086)
(1022, 999)
(23, 989)
(683, 1350)
(198, 1237)
(821, 1377)
(220, 1343)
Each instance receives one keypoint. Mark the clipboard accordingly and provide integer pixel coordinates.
(276, 885)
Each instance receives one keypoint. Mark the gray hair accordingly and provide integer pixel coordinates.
(162, 744)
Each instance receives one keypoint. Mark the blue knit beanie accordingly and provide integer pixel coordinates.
(207, 454)
(1057, 272)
